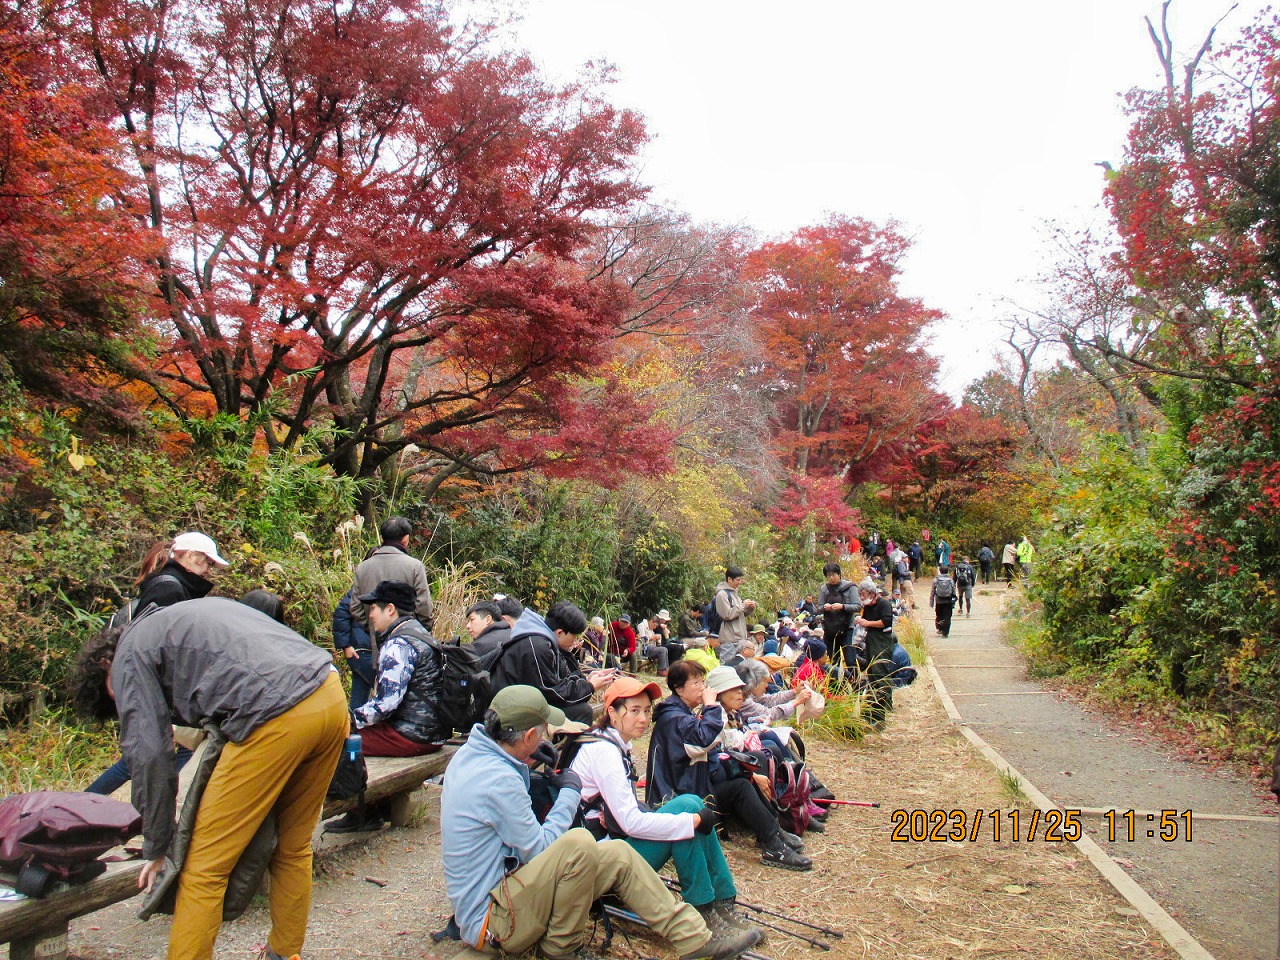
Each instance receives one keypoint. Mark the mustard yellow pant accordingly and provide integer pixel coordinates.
(285, 765)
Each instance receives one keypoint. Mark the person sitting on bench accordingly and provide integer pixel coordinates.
(515, 883)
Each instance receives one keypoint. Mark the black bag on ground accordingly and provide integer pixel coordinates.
(350, 779)
(50, 836)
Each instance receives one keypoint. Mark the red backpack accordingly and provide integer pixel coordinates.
(49, 836)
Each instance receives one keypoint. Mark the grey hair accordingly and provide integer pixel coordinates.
(496, 732)
(751, 672)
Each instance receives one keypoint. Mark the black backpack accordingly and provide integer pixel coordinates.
(711, 618)
(465, 685)
(964, 575)
(944, 588)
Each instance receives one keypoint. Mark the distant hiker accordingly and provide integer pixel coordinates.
(916, 553)
(942, 597)
(964, 586)
(1008, 558)
(944, 553)
(1025, 552)
(391, 561)
(652, 639)
(732, 612)
(985, 560)
(690, 622)
(623, 640)
(184, 575)
(839, 604)
(877, 619)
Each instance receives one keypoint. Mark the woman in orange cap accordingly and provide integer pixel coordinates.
(682, 829)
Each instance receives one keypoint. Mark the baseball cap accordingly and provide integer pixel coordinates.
(200, 543)
(664, 614)
(625, 687)
(625, 618)
(520, 707)
(393, 591)
(721, 679)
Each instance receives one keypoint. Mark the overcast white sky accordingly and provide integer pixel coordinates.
(969, 123)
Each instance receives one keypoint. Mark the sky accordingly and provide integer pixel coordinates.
(971, 125)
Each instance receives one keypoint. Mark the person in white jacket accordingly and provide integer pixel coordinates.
(682, 829)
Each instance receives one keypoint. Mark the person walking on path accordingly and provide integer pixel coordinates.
(986, 557)
(964, 586)
(1009, 557)
(942, 597)
(1025, 552)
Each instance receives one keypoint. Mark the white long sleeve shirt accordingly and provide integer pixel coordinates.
(604, 775)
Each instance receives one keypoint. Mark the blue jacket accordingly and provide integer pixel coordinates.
(485, 817)
(347, 630)
(671, 769)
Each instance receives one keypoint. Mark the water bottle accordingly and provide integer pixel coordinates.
(353, 747)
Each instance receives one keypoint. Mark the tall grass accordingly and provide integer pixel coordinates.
(55, 752)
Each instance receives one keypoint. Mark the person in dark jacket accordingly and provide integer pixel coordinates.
(276, 698)
(684, 759)
(489, 631)
(400, 718)
(838, 603)
(543, 655)
(184, 575)
(877, 618)
(352, 640)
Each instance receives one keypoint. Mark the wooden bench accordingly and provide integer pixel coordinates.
(36, 929)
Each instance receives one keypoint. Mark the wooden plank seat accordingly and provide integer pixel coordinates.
(36, 929)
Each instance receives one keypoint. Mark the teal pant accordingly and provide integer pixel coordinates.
(700, 864)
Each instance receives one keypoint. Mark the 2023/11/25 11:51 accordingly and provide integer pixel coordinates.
(1168, 826)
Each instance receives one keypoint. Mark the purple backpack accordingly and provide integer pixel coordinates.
(49, 836)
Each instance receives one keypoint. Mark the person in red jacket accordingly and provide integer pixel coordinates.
(622, 641)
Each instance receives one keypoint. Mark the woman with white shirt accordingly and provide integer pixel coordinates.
(682, 829)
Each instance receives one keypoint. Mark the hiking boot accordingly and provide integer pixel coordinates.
(352, 823)
(790, 839)
(727, 910)
(779, 854)
(815, 826)
(725, 944)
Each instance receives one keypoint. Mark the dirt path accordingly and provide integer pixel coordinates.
(1220, 883)
(925, 900)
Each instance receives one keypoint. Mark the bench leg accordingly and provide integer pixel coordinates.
(401, 809)
(49, 944)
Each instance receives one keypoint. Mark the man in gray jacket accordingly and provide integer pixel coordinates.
(278, 700)
(391, 561)
(733, 612)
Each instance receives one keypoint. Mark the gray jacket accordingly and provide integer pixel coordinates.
(210, 661)
(390, 562)
(733, 615)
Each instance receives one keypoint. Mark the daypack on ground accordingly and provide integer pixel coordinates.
(51, 836)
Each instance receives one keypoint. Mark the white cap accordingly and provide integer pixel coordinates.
(200, 543)
(664, 614)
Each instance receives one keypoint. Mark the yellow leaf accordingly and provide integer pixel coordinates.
(1014, 888)
(76, 461)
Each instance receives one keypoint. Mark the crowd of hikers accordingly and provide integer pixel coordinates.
(548, 707)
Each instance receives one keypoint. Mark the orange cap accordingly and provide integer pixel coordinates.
(625, 687)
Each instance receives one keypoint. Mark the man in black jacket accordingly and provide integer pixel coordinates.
(877, 618)
(542, 654)
(488, 628)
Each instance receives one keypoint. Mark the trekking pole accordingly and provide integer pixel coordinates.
(621, 913)
(675, 885)
(845, 803)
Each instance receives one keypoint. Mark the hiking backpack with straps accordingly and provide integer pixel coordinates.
(465, 684)
(51, 836)
(711, 618)
(944, 587)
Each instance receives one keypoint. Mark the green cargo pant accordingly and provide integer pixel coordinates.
(700, 864)
(548, 900)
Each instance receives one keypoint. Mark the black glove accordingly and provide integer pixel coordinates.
(566, 780)
(546, 755)
(707, 820)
